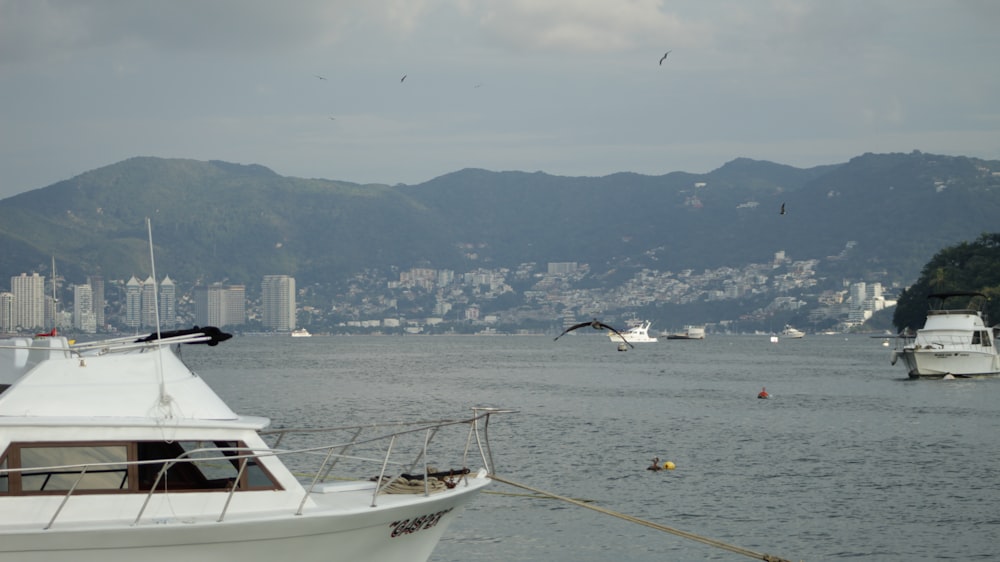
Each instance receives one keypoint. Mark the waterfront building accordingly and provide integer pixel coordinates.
(84, 318)
(278, 302)
(168, 303)
(6, 312)
(133, 303)
(96, 283)
(220, 305)
(29, 301)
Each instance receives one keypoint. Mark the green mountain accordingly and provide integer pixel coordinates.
(969, 266)
(878, 217)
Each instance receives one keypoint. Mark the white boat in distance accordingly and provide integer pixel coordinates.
(637, 332)
(792, 333)
(689, 333)
(116, 450)
(301, 333)
(953, 341)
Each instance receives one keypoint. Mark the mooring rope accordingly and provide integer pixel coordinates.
(402, 485)
(650, 524)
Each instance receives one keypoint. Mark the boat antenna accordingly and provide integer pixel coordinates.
(165, 399)
(55, 300)
(152, 266)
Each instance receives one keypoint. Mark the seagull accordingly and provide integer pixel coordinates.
(664, 57)
(595, 324)
(320, 77)
(403, 78)
(782, 209)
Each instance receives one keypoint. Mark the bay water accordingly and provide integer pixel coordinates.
(848, 459)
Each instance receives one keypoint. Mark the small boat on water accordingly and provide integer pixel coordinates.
(792, 332)
(955, 340)
(689, 333)
(117, 450)
(301, 333)
(637, 332)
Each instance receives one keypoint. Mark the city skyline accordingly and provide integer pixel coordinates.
(547, 293)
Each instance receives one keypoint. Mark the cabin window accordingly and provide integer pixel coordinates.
(975, 338)
(987, 340)
(41, 468)
(59, 468)
(212, 465)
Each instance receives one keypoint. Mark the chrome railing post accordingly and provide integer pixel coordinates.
(66, 498)
(381, 474)
(236, 484)
(312, 485)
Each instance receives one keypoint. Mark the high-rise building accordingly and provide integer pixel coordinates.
(6, 312)
(278, 302)
(84, 318)
(133, 303)
(234, 306)
(220, 305)
(29, 301)
(168, 303)
(149, 297)
(96, 283)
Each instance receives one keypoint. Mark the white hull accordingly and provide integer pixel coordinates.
(953, 342)
(362, 534)
(956, 362)
(792, 333)
(635, 334)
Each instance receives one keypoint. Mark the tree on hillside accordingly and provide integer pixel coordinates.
(968, 266)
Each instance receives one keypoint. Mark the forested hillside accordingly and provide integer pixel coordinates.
(969, 266)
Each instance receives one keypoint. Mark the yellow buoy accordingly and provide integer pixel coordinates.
(669, 465)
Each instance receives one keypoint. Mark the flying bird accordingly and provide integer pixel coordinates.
(403, 78)
(782, 209)
(664, 57)
(595, 324)
(320, 77)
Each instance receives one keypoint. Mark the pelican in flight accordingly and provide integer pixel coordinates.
(595, 324)
(664, 57)
(782, 209)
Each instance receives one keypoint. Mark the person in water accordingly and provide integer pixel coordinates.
(763, 393)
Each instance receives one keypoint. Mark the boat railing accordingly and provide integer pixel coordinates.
(395, 451)
(951, 342)
(948, 311)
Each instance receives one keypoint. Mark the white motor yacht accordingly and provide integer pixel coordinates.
(116, 450)
(637, 332)
(954, 340)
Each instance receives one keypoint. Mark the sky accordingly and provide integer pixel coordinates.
(316, 88)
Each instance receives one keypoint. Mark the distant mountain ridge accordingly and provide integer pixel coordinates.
(218, 221)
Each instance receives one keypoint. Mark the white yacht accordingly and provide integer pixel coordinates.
(637, 332)
(301, 333)
(116, 450)
(953, 341)
(792, 332)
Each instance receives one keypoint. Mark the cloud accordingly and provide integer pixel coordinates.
(61, 29)
(572, 26)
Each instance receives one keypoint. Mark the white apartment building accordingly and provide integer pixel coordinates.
(29, 301)
(278, 302)
(84, 318)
